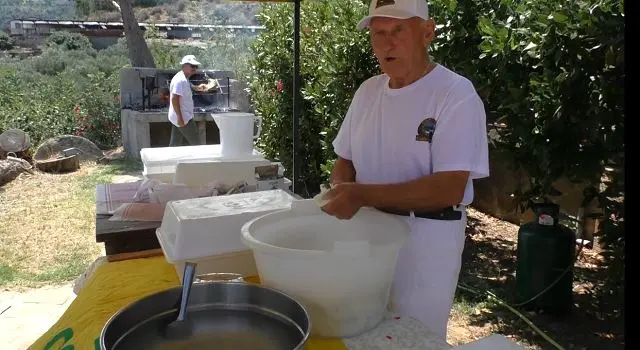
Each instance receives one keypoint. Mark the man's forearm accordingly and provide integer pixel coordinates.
(428, 193)
(343, 171)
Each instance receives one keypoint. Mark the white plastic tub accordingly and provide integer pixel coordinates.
(341, 270)
(208, 230)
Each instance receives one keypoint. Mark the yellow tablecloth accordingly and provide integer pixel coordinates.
(111, 287)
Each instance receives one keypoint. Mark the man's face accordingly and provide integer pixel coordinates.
(189, 69)
(400, 44)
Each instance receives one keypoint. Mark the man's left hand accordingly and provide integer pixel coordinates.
(343, 201)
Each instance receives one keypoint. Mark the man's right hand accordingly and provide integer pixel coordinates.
(180, 122)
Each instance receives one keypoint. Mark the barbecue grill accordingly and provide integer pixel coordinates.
(147, 89)
(144, 101)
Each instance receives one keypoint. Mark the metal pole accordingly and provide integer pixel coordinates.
(297, 98)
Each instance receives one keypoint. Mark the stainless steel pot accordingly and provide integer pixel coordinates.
(224, 315)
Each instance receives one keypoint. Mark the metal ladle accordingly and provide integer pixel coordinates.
(181, 327)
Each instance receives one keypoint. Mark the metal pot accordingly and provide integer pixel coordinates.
(224, 315)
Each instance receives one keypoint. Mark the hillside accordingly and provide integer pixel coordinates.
(41, 9)
(173, 11)
(185, 11)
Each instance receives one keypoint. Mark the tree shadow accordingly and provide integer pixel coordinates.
(595, 322)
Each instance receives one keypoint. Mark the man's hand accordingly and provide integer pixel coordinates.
(343, 200)
(200, 88)
(180, 121)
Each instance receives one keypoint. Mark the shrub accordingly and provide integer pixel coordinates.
(64, 92)
(6, 42)
(68, 41)
(42, 112)
(335, 60)
(88, 7)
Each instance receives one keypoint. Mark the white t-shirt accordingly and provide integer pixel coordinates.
(435, 124)
(181, 86)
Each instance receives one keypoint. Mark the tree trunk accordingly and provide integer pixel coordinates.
(139, 53)
(11, 168)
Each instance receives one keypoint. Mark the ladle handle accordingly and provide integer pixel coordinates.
(187, 281)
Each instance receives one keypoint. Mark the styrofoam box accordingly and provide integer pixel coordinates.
(204, 229)
(158, 161)
(200, 173)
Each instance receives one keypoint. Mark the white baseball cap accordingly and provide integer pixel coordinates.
(189, 59)
(401, 9)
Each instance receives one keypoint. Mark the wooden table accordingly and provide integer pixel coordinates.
(124, 239)
(126, 236)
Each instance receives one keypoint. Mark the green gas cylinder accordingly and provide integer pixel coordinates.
(544, 265)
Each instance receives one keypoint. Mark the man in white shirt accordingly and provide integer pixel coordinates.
(184, 128)
(411, 143)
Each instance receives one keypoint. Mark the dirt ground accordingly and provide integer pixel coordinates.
(489, 262)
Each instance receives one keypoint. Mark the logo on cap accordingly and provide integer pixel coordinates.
(381, 3)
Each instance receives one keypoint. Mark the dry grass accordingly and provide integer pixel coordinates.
(47, 230)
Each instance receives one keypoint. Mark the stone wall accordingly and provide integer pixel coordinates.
(137, 130)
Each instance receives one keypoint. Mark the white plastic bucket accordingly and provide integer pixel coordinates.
(341, 270)
(237, 133)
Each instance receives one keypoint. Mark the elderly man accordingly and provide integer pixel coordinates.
(181, 104)
(411, 143)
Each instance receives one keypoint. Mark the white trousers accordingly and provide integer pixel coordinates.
(427, 272)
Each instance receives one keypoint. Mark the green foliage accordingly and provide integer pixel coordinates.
(6, 43)
(335, 60)
(43, 111)
(551, 73)
(68, 41)
(64, 92)
(86, 7)
(554, 74)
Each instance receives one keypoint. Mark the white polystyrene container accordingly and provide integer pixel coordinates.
(201, 229)
(200, 173)
(160, 162)
(341, 270)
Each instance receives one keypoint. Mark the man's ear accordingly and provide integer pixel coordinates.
(429, 31)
